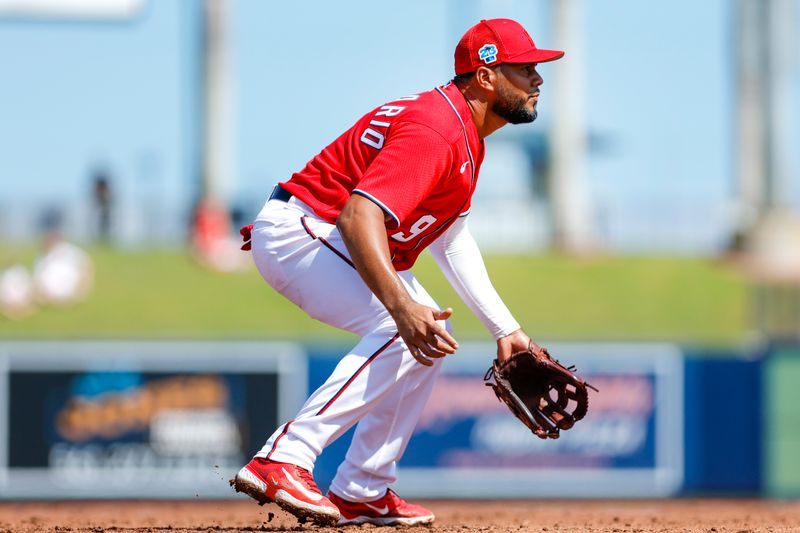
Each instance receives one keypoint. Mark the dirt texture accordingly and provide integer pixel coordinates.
(696, 515)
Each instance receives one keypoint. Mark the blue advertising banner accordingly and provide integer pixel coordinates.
(161, 420)
(467, 444)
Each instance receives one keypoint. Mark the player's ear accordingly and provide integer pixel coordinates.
(485, 77)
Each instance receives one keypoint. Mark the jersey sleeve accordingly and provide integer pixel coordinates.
(412, 160)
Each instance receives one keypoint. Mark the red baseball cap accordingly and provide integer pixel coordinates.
(495, 41)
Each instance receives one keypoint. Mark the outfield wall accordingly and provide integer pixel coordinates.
(177, 419)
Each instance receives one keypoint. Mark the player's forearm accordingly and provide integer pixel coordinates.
(457, 254)
(361, 224)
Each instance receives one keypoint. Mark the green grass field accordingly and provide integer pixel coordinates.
(164, 294)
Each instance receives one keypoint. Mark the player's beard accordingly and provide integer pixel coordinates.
(511, 108)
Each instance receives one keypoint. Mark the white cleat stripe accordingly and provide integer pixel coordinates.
(313, 496)
(379, 510)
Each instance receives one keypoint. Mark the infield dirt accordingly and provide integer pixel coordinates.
(697, 515)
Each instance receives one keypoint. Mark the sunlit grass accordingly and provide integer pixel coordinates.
(164, 294)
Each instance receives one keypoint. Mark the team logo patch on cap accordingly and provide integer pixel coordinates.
(488, 53)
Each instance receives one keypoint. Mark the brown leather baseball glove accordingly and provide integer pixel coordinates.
(544, 394)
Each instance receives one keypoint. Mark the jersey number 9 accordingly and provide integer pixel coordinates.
(423, 223)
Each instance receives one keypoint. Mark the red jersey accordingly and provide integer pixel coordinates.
(417, 157)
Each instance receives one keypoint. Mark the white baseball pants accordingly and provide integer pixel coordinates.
(378, 384)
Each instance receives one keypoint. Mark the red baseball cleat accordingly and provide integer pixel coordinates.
(390, 510)
(291, 487)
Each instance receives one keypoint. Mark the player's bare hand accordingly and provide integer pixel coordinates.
(513, 343)
(425, 337)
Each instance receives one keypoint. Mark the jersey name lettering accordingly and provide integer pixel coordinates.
(389, 111)
(374, 138)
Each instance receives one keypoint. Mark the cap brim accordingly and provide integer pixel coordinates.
(536, 55)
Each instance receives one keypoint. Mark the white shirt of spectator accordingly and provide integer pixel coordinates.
(63, 274)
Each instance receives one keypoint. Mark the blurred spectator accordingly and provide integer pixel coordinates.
(102, 199)
(63, 274)
(212, 243)
(16, 292)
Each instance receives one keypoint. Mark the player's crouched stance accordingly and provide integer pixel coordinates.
(339, 240)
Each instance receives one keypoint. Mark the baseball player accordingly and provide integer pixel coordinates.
(339, 238)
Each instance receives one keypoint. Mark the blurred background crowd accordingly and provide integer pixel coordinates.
(671, 127)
